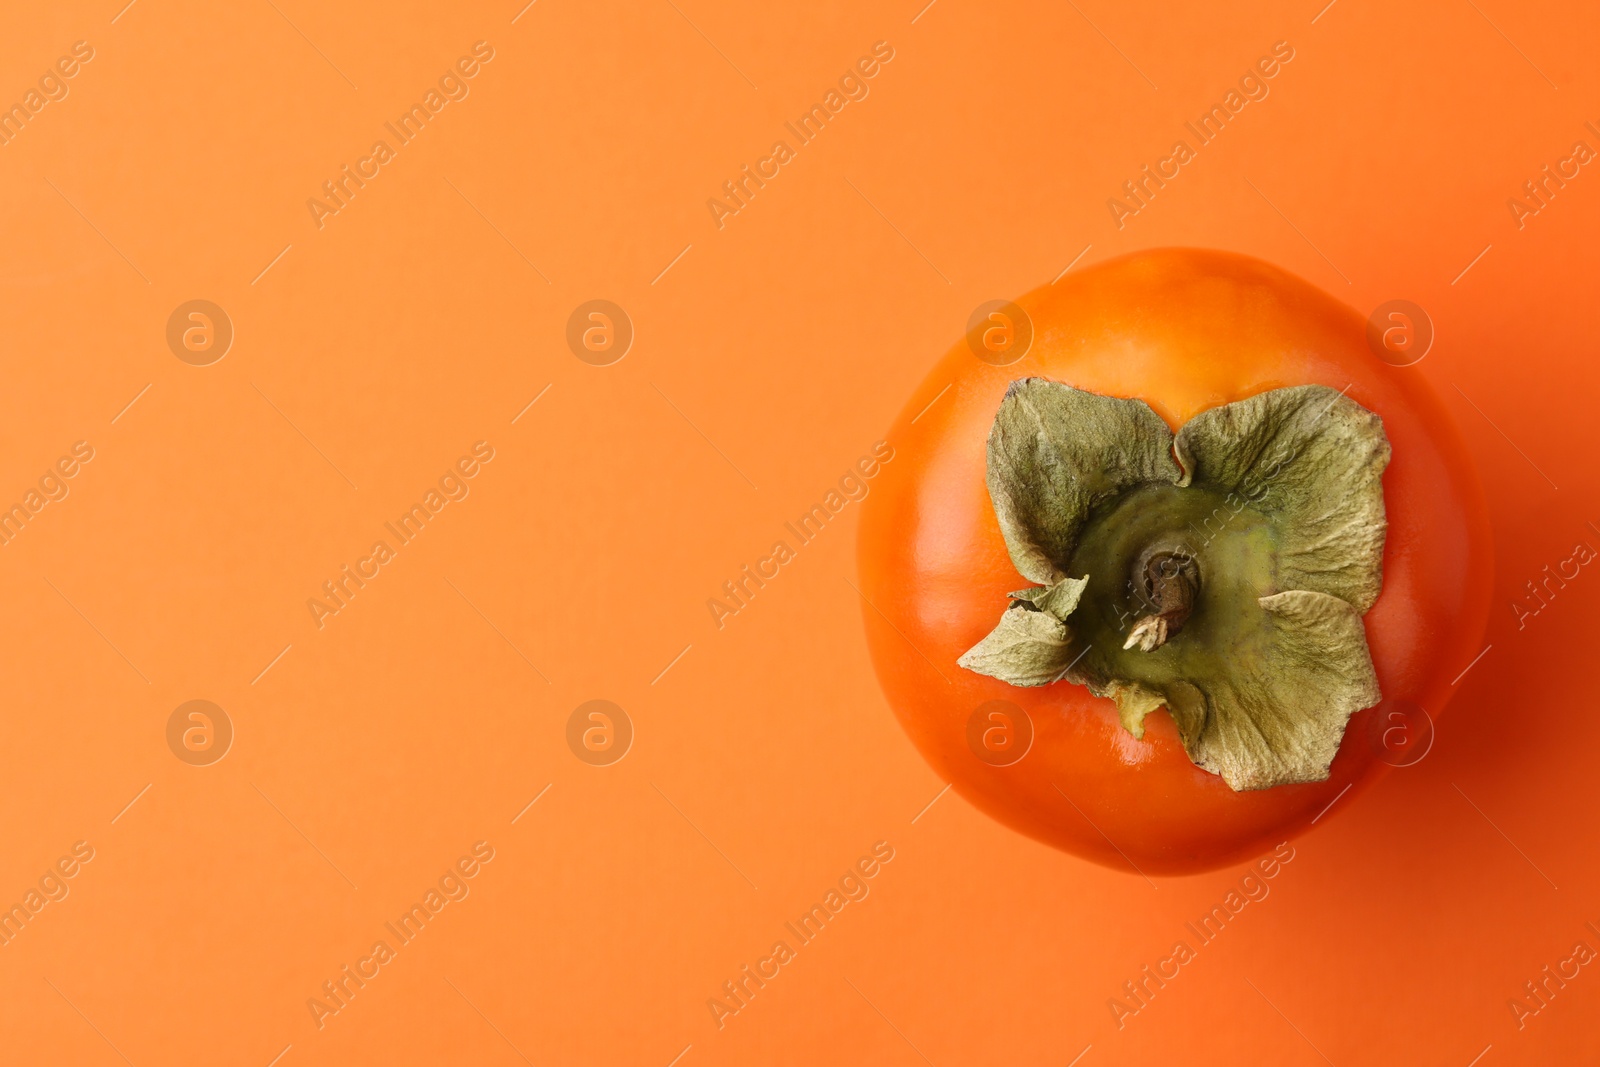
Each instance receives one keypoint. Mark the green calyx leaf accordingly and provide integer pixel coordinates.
(1031, 646)
(1054, 453)
(1314, 459)
(1226, 569)
(1028, 648)
(1058, 599)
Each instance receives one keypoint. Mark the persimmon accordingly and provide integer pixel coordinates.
(1152, 592)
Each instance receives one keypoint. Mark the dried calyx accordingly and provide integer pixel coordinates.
(1223, 572)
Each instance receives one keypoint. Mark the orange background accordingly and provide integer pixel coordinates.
(426, 715)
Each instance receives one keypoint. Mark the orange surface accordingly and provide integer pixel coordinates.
(373, 760)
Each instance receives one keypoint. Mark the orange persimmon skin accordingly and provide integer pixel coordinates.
(1184, 330)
